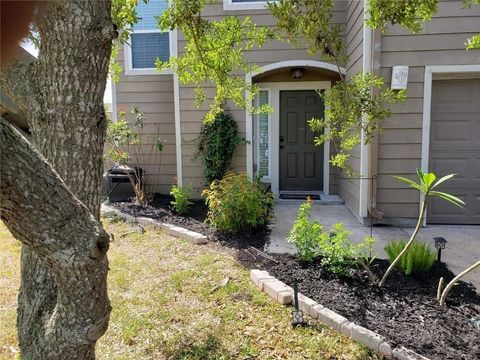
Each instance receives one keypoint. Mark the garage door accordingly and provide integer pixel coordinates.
(455, 148)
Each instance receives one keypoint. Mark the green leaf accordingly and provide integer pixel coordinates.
(448, 197)
(411, 183)
(428, 179)
(443, 179)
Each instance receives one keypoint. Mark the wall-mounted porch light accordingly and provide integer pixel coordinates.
(297, 73)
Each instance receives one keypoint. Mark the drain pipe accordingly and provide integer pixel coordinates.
(369, 152)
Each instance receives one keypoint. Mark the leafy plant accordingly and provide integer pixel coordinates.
(217, 142)
(237, 204)
(214, 51)
(336, 253)
(419, 257)
(345, 103)
(305, 233)
(129, 146)
(426, 185)
(181, 196)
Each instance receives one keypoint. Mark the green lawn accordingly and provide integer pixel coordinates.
(167, 305)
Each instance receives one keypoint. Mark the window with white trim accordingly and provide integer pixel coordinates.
(244, 4)
(147, 41)
(263, 131)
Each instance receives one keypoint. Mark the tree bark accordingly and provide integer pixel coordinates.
(62, 95)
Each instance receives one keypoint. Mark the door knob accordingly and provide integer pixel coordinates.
(282, 138)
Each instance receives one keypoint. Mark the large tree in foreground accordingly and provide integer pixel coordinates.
(50, 188)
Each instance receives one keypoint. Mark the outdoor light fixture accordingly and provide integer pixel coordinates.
(440, 243)
(297, 73)
(297, 314)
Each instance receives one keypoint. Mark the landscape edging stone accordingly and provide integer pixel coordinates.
(334, 320)
(170, 229)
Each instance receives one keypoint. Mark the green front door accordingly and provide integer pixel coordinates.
(301, 162)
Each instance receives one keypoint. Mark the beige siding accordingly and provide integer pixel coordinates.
(191, 117)
(441, 42)
(349, 189)
(153, 95)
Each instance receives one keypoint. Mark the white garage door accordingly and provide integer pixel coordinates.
(455, 148)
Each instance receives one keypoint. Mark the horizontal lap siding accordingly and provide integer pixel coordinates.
(349, 189)
(440, 42)
(153, 95)
(191, 116)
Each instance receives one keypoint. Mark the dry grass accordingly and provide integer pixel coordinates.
(167, 305)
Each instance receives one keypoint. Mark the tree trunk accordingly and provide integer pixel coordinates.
(62, 95)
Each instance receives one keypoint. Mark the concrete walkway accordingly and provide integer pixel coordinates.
(463, 247)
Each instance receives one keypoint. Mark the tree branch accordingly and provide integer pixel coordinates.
(28, 180)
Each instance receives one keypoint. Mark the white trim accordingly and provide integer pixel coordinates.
(265, 178)
(365, 148)
(178, 130)
(127, 51)
(297, 63)
(263, 69)
(114, 101)
(427, 104)
(251, 5)
(274, 141)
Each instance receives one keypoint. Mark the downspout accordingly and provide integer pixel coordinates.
(365, 148)
(374, 212)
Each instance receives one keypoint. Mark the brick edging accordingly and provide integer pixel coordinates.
(170, 229)
(284, 295)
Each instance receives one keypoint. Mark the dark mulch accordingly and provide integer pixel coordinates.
(405, 310)
(161, 209)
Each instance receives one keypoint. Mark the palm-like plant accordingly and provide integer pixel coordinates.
(427, 185)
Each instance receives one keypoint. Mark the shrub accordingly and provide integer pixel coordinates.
(418, 258)
(336, 253)
(237, 204)
(217, 142)
(181, 196)
(305, 233)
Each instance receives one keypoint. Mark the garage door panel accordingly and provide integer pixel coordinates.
(455, 148)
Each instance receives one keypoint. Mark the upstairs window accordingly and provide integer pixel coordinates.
(244, 4)
(147, 42)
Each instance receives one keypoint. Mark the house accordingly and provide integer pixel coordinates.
(436, 129)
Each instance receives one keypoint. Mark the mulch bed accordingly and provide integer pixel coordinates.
(161, 209)
(405, 310)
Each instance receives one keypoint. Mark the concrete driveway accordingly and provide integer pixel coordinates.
(463, 247)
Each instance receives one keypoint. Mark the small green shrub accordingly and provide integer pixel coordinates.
(217, 142)
(181, 196)
(418, 258)
(304, 233)
(237, 204)
(336, 253)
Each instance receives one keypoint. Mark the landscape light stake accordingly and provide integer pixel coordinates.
(440, 243)
(297, 314)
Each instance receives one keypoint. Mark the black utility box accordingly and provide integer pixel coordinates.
(119, 186)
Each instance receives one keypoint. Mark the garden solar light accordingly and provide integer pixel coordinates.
(297, 314)
(440, 243)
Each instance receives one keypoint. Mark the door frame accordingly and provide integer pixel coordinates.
(442, 72)
(274, 89)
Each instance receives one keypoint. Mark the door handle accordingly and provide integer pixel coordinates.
(282, 138)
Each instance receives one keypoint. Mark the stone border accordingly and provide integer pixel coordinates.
(170, 229)
(284, 295)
